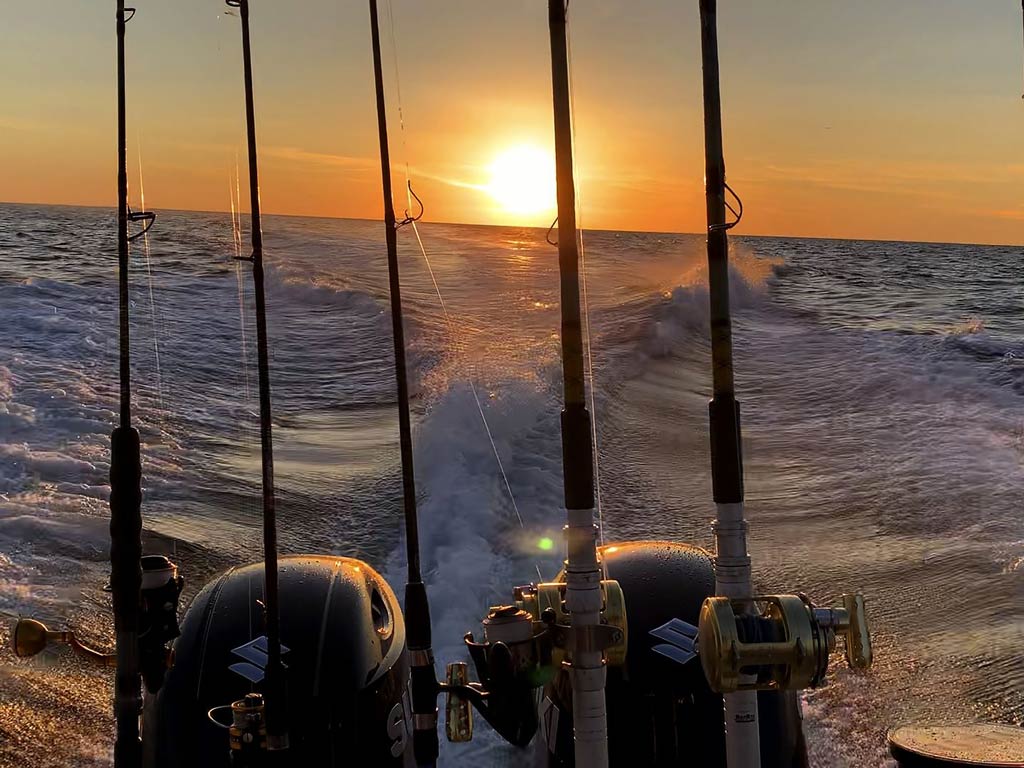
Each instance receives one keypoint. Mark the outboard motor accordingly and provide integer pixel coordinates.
(661, 711)
(346, 670)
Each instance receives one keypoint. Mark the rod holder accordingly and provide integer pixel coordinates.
(536, 599)
(778, 642)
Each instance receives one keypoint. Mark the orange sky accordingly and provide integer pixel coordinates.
(867, 119)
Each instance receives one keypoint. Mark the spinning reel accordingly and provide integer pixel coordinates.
(524, 645)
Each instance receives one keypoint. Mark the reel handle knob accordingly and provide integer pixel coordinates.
(849, 621)
(30, 637)
(856, 634)
(458, 712)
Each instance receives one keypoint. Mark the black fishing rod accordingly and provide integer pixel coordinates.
(423, 676)
(583, 575)
(125, 477)
(276, 689)
(732, 563)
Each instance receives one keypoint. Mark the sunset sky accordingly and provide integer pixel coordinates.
(867, 119)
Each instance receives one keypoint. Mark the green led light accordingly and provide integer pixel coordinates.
(546, 544)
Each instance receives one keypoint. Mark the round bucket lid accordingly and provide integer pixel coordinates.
(993, 746)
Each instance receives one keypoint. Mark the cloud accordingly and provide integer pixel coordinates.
(299, 155)
(460, 184)
(11, 124)
(939, 181)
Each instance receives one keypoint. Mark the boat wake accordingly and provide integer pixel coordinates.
(884, 444)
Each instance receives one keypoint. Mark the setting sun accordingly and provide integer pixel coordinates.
(522, 180)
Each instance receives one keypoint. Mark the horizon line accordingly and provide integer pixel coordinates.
(527, 226)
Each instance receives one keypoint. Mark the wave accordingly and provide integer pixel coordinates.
(474, 548)
(968, 327)
(856, 420)
(299, 289)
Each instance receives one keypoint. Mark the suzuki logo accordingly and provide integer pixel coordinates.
(254, 667)
(680, 641)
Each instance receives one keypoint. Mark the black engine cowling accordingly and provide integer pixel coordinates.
(346, 667)
(659, 712)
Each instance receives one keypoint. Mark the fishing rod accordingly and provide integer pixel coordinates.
(276, 689)
(583, 593)
(732, 563)
(748, 642)
(125, 473)
(423, 677)
(144, 589)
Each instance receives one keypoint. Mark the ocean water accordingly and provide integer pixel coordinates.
(883, 399)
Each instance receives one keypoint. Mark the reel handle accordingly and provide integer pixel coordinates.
(851, 622)
(31, 637)
(858, 638)
(458, 711)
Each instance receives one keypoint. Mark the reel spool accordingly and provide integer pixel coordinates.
(778, 642)
(513, 660)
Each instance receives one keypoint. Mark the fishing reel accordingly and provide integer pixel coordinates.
(524, 645)
(158, 625)
(158, 618)
(247, 732)
(778, 642)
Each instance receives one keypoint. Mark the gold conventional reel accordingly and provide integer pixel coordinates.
(778, 642)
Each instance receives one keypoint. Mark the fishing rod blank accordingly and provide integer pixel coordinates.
(276, 690)
(583, 596)
(424, 685)
(125, 477)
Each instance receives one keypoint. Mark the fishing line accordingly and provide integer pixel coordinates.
(401, 116)
(249, 504)
(452, 329)
(472, 385)
(245, 428)
(236, 236)
(583, 283)
(152, 297)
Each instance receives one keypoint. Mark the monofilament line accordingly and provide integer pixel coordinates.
(426, 260)
(472, 384)
(152, 296)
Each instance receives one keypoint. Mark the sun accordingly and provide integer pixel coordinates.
(522, 180)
